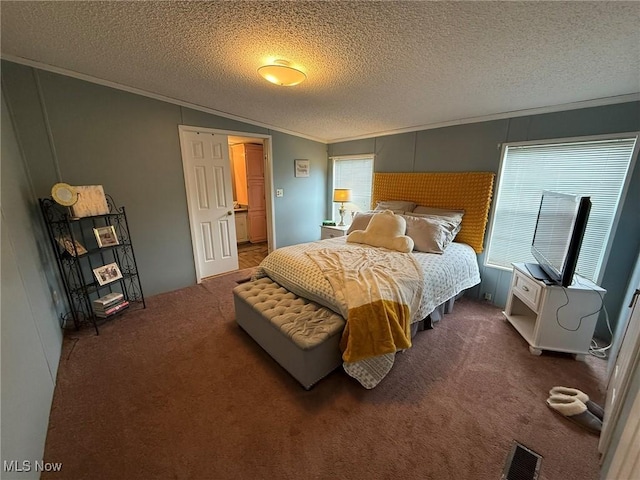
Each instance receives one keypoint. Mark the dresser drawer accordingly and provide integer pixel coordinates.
(527, 289)
(332, 232)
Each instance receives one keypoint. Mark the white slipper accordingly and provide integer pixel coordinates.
(593, 407)
(576, 411)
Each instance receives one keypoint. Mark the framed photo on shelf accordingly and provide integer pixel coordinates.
(107, 273)
(302, 168)
(106, 236)
(67, 243)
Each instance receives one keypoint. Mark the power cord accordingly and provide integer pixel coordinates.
(65, 320)
(75, 342)
(66, 323)
(558, 314)
(595, 349)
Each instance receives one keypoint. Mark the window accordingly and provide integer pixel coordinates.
(356, 173)
(596, 167)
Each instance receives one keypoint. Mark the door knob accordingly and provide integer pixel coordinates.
(229, 212)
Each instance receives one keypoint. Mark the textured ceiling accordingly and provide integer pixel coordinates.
(372, 67)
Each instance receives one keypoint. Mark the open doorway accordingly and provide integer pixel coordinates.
(248, 167)
(206, 157)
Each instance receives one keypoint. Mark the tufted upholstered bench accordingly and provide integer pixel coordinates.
(302, 336)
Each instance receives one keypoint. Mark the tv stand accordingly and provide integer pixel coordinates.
(552, 317)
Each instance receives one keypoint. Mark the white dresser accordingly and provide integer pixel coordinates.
(551, 317)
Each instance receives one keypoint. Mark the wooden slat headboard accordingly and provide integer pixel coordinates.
(468, 191)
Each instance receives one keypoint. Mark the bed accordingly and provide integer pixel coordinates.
(307, 269)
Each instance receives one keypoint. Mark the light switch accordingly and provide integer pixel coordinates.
(279, 192)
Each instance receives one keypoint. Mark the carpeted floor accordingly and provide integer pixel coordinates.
(178, 391)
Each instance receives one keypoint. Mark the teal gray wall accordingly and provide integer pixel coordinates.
(30, 332)
(477, 146)
(86, 134)
(303, 197)
(56, 128)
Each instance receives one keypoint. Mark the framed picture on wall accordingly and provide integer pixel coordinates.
(106, 236)
(302, 168)
(107, 273)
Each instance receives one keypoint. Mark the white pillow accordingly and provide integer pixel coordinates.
(396, 206)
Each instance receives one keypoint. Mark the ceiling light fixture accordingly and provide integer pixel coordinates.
(281, 73)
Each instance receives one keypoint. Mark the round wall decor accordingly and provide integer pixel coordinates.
(64, 194)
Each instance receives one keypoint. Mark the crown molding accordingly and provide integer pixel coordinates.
(598, 102)
(155, 96)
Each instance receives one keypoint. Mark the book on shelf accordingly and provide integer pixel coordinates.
(110, 311)
(108, 307)
(109, 299)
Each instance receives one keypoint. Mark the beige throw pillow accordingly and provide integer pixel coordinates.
(386, 229)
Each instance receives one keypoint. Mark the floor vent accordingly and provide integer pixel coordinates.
(522, 464)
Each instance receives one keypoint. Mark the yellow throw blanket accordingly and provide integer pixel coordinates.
(375, 329)
(378, 291)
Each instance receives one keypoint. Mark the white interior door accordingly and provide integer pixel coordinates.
(207, 173)
(627, 359)
(625, 461)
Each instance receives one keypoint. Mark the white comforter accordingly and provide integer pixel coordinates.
(445, 276)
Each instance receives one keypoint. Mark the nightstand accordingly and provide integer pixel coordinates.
(332, 232)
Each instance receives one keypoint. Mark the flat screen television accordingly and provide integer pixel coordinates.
(562, 220)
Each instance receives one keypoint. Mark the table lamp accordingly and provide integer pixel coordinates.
(342, 195)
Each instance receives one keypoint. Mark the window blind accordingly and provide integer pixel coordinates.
(355, 173)
(597, 169)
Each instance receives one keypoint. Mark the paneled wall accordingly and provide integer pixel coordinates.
(86, 134)
(477, 146)
(31, 335)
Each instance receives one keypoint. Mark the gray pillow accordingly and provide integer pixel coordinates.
(430, 234)
(440, 212)
(360, 221)
(396, 206)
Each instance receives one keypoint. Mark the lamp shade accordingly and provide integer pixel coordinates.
(342, 195)
(281, 73)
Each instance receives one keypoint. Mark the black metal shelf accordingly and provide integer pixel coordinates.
(96, 250)
(77, 269)
(71, 219)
